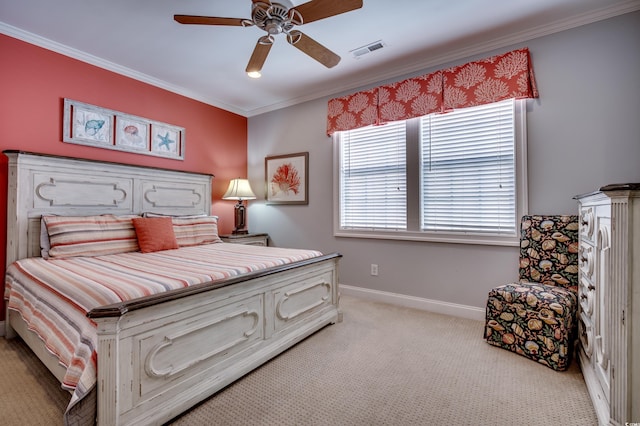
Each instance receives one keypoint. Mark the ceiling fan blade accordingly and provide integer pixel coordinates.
(259, 54)
(208, 20)
(314, 49)
(315, 10)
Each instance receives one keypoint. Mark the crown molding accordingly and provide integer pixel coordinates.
(337, 89)
(110, 66)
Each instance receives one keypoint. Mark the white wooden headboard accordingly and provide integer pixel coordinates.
(44, 184)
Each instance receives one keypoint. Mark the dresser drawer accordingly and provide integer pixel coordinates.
(587, 222)
(586, 260)
(585, 333)
(586, 294)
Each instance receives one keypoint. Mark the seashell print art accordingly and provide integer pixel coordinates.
(92, 127)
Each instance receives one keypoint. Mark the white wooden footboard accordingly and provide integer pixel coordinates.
(158, 358)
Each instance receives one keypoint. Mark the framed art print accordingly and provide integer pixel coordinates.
(166, 141)
(287, 178)
(91, 125)
(132, 133)
(87, 124)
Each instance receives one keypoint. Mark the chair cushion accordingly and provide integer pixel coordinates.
(533, 320)
(536, 296)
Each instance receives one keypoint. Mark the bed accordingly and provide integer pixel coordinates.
(160, 353)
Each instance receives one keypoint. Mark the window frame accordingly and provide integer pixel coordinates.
(413, 232)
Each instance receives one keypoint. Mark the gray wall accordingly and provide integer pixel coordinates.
(583, 132)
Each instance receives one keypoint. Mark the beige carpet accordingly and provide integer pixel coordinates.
(384, 365)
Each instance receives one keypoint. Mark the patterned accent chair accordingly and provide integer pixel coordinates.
(536, 317)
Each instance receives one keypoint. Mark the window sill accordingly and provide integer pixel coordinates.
(475, 239)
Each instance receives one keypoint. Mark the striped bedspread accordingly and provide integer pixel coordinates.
(54, 296)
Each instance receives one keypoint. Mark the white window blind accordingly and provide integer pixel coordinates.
(373, 188)
(468, 174)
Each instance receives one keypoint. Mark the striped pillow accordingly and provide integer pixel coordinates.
(191, 231)
(71, 236)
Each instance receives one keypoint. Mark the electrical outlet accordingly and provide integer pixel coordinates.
(374, 269)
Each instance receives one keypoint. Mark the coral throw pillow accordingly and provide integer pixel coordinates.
(155, 234)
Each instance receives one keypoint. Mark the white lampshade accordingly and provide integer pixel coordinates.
(239, 189)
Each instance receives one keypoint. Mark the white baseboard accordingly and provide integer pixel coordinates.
(437, 306)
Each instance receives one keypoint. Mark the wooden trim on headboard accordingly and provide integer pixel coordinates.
(8, 152)
(46, 184)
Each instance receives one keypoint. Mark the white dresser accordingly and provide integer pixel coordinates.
(609, 291)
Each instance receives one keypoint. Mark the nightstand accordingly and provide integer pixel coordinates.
(250, 239)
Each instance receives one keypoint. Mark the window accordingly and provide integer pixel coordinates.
(454, 177)
(373, 190)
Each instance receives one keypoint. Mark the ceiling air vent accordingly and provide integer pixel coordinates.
(371, 47)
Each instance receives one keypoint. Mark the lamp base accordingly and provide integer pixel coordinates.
(239, 219)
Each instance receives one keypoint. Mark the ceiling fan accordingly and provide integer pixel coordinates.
(280, 17)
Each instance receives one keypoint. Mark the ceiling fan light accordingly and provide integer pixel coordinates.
(254, 74)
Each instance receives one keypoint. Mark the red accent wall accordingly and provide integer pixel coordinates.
(33, 84)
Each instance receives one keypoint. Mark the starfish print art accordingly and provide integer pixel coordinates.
(166, 141)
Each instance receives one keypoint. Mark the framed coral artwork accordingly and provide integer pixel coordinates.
(287, 178)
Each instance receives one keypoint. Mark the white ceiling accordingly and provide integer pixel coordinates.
(140, 39)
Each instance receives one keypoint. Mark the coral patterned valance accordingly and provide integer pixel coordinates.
(353, 111)
(489, 80)
(410, 98)
(493, 79)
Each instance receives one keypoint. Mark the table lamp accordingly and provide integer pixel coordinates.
(239, 189)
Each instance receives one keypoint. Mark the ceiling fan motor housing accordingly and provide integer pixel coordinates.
(274, 18)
